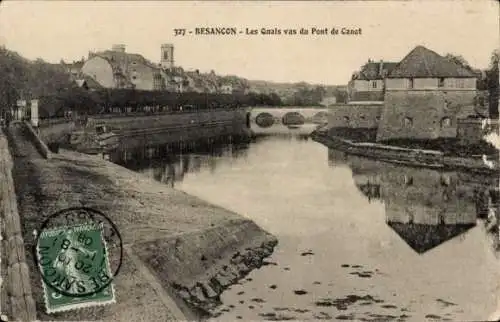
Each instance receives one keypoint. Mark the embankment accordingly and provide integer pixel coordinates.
(176, 245)
(411, 157)
(123, 124)
(146, 130)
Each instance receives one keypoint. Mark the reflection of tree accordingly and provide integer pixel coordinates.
(425, 207)
(212, 163)
(170, 174)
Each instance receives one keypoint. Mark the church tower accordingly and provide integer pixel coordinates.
(167, 56)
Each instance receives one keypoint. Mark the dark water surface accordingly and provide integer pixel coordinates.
(358, 239)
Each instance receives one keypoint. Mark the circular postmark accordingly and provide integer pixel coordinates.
(78, 252)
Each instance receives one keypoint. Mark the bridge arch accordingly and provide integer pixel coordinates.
(264, 119)
(293, 119)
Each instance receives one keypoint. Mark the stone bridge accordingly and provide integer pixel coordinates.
(294, 120)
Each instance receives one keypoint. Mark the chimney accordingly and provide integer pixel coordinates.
(381, 68)
(119, 48)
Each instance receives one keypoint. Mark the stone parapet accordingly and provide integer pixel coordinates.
(22, 305)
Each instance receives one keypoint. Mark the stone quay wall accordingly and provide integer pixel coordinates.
(17, 295)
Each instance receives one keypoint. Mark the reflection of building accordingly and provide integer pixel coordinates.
(424, 207)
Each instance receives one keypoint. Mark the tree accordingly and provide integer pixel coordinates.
(492, 83)
(459, 60)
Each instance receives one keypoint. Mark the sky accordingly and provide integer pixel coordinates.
(58, 30)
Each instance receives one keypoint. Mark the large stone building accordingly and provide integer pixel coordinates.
(424, 96)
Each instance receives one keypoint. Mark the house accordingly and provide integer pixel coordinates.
(175, 79)
(73, 69)
(425, 96)
(198, 82)
(367, 85)
(116, 68)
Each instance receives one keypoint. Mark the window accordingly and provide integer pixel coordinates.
(410, 83)
(441, 82)
(374, 84)
(407, 122)
(445, 122)
(460, 83)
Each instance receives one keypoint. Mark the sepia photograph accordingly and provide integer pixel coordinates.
(249, 160)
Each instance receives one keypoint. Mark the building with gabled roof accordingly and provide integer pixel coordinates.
(425, 63)
(367, 84)
(425, 96)
(116, 68)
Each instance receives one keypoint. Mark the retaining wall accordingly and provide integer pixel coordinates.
(127, 123)
(60, 132)
(412, 157)
(421, 114)
(366, 116)
(19, 293)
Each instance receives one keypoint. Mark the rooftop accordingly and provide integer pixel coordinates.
(376, 70)
(425, 63)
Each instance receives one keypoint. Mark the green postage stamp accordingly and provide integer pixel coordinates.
(75, 268)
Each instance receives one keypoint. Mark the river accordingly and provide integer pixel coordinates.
(358, 239)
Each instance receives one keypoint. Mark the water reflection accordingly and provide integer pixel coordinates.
(170, 163)
(358, 238)
(425, 207)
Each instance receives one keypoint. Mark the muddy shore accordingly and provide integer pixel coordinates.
(181, 252)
